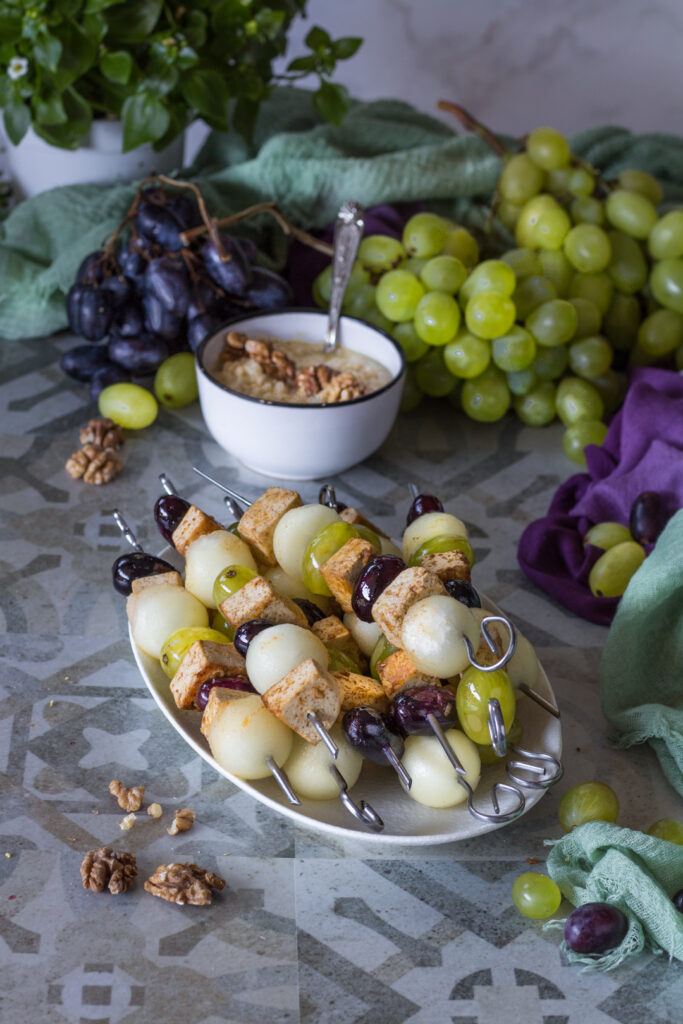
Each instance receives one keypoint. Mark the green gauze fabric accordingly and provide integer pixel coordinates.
(601, 863)
(385, 151)
(641, 676)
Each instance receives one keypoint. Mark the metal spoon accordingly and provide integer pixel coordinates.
(348, 231)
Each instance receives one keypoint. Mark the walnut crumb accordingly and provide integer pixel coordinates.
(127, 823)
(342, 388)
(94, 465)
(533, 860)
(154, 810)
(105, 869)
(182, 821)
(129, 798)
(103, 433)
(183, 884)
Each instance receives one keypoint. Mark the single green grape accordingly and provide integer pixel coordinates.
(581, 181)
(128, 405)
(322, 286)
(553, 323)
(415, 264)
(486, 398)
(467, 355)
(590, 357)
(432, 375)
(640, 181)
(475, 690)
(579, 435)
(589, 318)
(324, 544)
(520, 382)
(489, 276)
(612, 572)
(523, 263)
(588, 249)
(441, 543)
(557, 181)
(558, 270)
(665, 240)
(666, 282)
(669, 829)
(443, 274)
(661, 332)
(367, 533)
(550, 363)
(461, 243)
(548, 148)
(589, 801)
(379, 253)
(508, 215)
(536, 895)
(515, 350)
(341, 662)
(425, 234)
(597, 288)
(411, 396)
(631, 213)
(437, 318)
(359, 300)
(611, 386)
(488, 755)
(221, 624)
(621, 321)
(531, 293)
(230, 580)
(577, 400)
(377, 319)
(520, 179)
(542, 224)
(380, 652)
(628, 267)
(490, 314)
(410, 341)
(536, 407)
(607, 535)
(175, 382)
(397, 295)
(179, 643)
(587, 210)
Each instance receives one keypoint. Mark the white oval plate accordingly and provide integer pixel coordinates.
(406, 823)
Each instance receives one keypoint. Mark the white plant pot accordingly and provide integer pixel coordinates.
(35, 166)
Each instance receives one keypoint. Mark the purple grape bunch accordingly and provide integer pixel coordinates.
(153, 296)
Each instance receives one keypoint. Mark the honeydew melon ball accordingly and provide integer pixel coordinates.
(287, 586)
(432, 635)
(244, 733)
(435, 781)
(295, 531)
(366, 634)
(160, 610)
(431, 524)
(207, 556)
(308, 766)
(277, 650)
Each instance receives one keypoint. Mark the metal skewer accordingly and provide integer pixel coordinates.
(536, 763)
(363, 812)
(126, 530)
(167, 484)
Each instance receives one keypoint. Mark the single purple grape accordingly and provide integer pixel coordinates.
(595, 928)
(464, 592)
(370, 733)
(227, 683)
(268, 290)
(375, 577)
(310, 610)
(677, 900)
(133, 566)
(245, 633)
(422, 504)
(647, 518)
(409, 710)
(168, 511)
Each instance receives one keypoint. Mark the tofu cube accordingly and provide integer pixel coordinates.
(150, 581)
(258, 523)
(193, 525)
(258, 600)
(398, 672)
(353, 516)
(334, 633)
(219, 697)
(342, 570)
(360, 691)
(409, 587)
(448, 565)
(308, 687)
(204, 660)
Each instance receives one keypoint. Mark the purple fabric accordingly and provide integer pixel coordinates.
(643, 451)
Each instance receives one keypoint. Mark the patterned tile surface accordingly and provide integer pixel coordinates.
(309, 928)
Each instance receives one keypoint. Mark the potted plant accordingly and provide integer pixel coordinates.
(110, 85)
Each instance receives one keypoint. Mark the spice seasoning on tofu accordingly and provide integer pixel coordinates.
(296, 372)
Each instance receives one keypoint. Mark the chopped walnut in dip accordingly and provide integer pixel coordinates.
(296, 372)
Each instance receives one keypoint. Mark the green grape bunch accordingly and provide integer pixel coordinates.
(547, 328)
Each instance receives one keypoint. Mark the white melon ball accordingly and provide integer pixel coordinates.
(366, 634)
(287, 586)
(308, 766)
(432, 634)
(435, 781)
(431, 524)
(295, 531)
(277, 650)
(207, 556)
(388, 547)
(523, 666)
(160, 610)
(244, 733)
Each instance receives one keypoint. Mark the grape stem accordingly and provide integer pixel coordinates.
(270, 208)
(471, 124)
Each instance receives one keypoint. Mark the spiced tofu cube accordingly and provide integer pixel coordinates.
(360, 691)
(150, 581)
(204, 660)
(258, 523)
(398, 672)
(193, 525)
(334, 634)
(342, 570)
(258, 600)
(448, 565)
(307, 688)
(410, 586)
(219, 697)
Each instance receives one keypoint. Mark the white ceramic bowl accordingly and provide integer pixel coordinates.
(301, 442)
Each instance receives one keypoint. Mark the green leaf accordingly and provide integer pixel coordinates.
(10, 29)
(49, 109)
(78, 118)
(207, 93)
(303, 64)
(48, 50)
(78, 54)
(94, 6)
(161, 78)
(331, 100)
(94, 26)
(194, 28)
(117, 66)
(187, 58)
(145, 119)
(318, 39)
(345, 47)
(270, 22)
(133, 22)
(17, 118)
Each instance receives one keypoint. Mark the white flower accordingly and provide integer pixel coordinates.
(17, 68)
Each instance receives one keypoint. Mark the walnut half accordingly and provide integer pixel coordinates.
(183, 821)
(104, 869)
(184, 883)
(129, 798)
(94, 465)
(102, 432)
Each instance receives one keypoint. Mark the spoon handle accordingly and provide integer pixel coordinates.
(348, 231)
